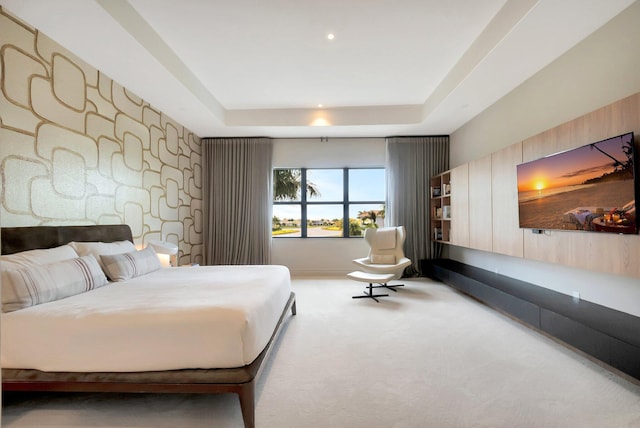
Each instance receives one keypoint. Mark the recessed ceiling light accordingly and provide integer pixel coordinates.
(319, 105)
(331, 36)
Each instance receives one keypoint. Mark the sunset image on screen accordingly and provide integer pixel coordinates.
(569, 189)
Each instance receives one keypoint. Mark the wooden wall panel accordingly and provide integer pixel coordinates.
(616, 254)
(460, 206)
(507, 235)
(480, 218)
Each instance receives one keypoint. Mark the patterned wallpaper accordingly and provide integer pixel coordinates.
(77, 148)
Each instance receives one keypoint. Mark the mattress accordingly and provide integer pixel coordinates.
(175, 318)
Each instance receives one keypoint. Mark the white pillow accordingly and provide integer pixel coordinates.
(37, 257)
(383, 259)
(96, 249)
(120, 267)
(38, 284)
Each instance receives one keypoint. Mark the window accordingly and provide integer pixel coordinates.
(325, 203)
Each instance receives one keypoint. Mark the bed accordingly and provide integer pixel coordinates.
(169, 314)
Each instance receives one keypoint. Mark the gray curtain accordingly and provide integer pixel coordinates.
(237, 199)
(411, 162)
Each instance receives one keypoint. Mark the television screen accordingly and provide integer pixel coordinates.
(590, 188)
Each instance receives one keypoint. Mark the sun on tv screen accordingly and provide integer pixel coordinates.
(590, 188)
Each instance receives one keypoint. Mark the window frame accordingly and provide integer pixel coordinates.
(305, 202)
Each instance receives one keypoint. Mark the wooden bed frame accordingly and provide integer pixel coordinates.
(239, 380)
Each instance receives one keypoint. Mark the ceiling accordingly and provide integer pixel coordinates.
(262, 67)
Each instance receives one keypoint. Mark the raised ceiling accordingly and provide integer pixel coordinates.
(262, 67)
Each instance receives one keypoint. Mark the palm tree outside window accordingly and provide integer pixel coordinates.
(336, 202)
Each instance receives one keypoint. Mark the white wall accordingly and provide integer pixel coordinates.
(600, 70)
(323, 256)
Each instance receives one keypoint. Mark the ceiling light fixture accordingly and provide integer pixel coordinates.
(319, 105)
(331, 36)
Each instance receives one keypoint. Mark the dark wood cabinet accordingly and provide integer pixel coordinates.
(606, 334)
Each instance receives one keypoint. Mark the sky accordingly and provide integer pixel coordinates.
(571, 167)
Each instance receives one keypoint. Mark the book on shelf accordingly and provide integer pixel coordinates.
(446, 212)
(438, 212)
(447, 188)
(437, 233)
(435, 191)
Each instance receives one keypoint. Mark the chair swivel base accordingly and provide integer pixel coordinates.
(372, 278)
(370, 294)
(389, 287)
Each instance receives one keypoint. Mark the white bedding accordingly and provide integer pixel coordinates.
(199, 317)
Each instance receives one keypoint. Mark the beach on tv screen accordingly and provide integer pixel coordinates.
(590, 188)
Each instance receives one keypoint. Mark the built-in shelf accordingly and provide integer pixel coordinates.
(440, 207)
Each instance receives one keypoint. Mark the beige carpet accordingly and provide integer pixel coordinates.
(426, 356)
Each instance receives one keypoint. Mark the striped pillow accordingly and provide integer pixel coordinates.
(120, 267)
(97, 249)
(34, 285)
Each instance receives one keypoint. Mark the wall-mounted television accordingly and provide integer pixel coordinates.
(589, 188)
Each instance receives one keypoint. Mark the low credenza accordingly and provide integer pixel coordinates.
(606, 334)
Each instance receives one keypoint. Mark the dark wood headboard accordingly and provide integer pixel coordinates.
(16, 239)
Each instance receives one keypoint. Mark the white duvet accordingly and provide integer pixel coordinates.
(175, 318)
